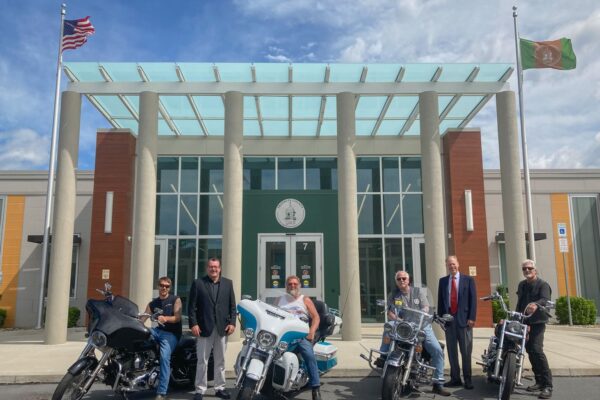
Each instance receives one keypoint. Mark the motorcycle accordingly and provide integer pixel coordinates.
(503, 360)
(267, 360)
(121, 353)
(407, 364)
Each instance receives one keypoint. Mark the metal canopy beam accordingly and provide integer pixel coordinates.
(287, 89)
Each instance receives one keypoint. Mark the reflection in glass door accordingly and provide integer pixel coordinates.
(283, 255)
(160, 262)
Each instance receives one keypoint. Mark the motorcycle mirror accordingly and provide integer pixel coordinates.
(380, 302)
(158, 311)
(107, 287)
(246, 297)
(551, 304)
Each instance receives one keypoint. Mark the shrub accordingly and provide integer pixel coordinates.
(74, 314)
(583, 311)
(2, 316)
(497, 311)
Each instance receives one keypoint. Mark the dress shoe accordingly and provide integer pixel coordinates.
(468, 385)
(439, 389)
(161, 397)
(223, 394)
(546, 393)
(197, 396)
(535, 388)
(453, 383)
(316, 394)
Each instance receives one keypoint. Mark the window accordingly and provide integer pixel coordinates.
(2, 204)
(74, 264)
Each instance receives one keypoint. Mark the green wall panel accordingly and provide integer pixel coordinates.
(321, 217)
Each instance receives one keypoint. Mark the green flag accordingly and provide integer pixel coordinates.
(557, 54)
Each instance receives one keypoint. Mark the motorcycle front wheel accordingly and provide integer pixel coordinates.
(246, 392)
(71, 385)
(391, 387)
(507, 384)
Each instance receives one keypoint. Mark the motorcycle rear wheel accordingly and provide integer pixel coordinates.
(71, 385)
(246, 392)
(391, 387)
(507, 384)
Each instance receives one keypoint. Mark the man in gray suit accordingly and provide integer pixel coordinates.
(211, 313)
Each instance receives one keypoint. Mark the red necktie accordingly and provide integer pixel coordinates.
(453, 297)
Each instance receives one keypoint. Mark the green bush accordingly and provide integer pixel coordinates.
(497, 311)
(74, 314)
(2, 316)
(583, 311)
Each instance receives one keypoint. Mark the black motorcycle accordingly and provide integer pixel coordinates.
(503, 360)
(121, 353)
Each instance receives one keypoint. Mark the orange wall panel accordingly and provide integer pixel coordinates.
(561, 214)
(11, 256)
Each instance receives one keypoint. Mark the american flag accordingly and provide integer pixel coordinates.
(75, 33)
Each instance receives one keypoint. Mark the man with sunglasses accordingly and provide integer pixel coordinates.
(413, 297)
(168, 332)
(532, 293)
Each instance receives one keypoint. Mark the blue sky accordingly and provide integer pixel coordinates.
(562, 107)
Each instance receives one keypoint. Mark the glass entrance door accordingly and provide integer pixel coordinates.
(283, 255)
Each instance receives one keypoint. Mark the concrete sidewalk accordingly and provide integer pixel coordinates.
(571, 351)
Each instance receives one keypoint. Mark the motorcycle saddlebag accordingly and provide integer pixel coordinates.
(326, 355)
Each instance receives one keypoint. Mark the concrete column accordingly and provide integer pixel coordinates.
(348, 217)
(233, 193)
(433, 196)
(144, 206)
(512, 197)
(64, 216)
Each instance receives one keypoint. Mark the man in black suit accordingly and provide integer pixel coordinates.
(457, 296)
(211, 313)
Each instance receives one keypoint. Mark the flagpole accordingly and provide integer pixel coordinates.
(51, 171)
(524, 142)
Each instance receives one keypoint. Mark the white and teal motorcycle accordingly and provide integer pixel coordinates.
(267, 362)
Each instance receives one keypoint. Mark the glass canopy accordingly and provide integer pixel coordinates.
(295, 100)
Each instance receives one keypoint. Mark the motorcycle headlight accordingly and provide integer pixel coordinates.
(282, 346)
(98, 339)
(404, 331)
(265, 339)
(514, 327)
(388, 328)
(248, 333)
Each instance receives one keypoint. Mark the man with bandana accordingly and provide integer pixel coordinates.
(303, 307)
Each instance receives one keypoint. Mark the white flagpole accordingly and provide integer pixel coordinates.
(524, 143)
(51, 171)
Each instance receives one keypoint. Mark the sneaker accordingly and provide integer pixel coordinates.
(546, 393)
(439, 389)
(534, 388)
(223, 394)
(453, 383)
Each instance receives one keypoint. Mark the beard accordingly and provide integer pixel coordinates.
(293, 292)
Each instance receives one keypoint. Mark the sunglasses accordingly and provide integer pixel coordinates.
(528, 268)
(164, 286)
(403, 278)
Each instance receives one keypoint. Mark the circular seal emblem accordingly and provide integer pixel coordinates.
(290, 213)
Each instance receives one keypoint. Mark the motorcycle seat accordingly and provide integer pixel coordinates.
(327, 320)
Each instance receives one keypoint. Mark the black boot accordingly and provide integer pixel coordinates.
(439, 389)
(316, 393)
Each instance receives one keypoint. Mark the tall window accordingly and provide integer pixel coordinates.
(290, 173)
(390, 226)
(189, 214)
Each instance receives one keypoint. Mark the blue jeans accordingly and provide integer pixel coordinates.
(305, 349)
(433, 347)
(167, 342)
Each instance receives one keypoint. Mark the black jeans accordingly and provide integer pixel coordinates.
(535, 350)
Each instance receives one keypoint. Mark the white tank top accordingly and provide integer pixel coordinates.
(293, 305)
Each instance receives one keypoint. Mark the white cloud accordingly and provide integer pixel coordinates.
(278, 58)
(23, 149)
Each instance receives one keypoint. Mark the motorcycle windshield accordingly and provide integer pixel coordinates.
(415, 306)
